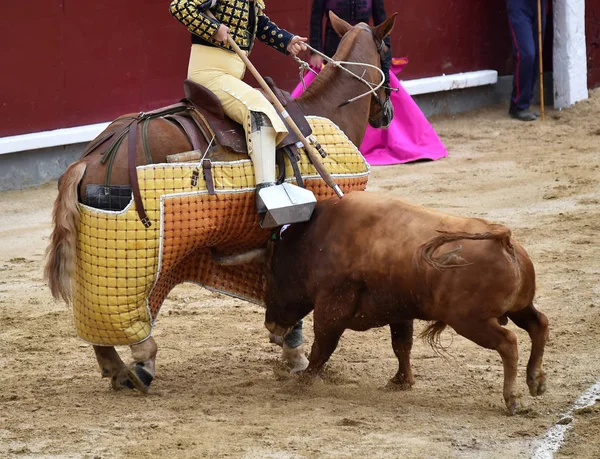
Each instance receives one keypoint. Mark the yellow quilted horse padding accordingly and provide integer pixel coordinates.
(124, 270)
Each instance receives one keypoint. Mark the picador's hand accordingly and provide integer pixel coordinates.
(296, 45)
(222, 33)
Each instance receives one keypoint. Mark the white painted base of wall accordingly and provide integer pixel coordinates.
(46, 139)
(570, 54)
(450, 82)
(80, 134)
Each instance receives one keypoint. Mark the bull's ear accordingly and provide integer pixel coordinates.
(385, 28)
(339, 25)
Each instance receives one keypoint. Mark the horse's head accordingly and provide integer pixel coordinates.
(381, 110)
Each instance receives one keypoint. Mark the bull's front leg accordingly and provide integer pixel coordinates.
(402, 340)
(327, 335)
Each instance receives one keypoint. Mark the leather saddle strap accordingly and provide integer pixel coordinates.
(96, 143)
(145, 140)
(190, 129)
(280, 161)
(208, 176)
(133, 178)
(293, 155)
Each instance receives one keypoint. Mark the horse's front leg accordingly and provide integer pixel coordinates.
(293, 348)
(144, 361)
(138, 376)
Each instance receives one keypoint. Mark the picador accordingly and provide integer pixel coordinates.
(214, 65)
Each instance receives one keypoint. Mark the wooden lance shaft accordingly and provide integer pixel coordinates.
(540, 59)
(310, 150)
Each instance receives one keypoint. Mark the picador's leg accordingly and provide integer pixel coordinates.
(536, 324)
(262, 146)
(402, 340)
(276, 204)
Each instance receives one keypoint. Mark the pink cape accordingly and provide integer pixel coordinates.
(409, 137)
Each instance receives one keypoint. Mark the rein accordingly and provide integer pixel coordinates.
(381, 49)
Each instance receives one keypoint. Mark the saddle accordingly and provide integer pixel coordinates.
(229, 133)
(212, 134)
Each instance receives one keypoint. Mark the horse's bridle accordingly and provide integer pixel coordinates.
(382, 49)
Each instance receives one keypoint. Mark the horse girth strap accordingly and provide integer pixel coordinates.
(133, 178)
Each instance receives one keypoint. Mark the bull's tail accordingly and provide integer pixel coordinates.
(431, 335)
(60, 254)
(451, 259)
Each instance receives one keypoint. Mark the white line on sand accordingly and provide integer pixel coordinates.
(554, 437)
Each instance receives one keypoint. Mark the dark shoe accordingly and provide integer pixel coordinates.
(522, 115)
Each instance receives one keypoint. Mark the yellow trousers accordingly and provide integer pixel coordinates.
(222, 71)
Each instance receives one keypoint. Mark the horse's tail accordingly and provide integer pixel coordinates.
(452, 259)
(60, 254)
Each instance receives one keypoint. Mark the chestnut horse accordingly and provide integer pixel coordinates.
(330, 89)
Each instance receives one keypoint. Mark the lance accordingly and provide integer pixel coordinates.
(312, 153)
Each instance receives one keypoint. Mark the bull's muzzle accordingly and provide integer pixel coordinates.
(277, 329)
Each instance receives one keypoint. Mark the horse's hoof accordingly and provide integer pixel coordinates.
(135, 377)
(145, 376)
(295, 358)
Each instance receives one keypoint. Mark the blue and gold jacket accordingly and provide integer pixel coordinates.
(246, 21)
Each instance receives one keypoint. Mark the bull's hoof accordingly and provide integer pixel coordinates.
(537, 384)
(397, 384)
(512, 404)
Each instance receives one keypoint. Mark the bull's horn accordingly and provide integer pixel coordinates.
(252, 256)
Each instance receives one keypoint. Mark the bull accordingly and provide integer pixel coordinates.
(370, 260)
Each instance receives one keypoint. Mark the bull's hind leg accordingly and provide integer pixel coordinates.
(536, 324)
(402, 340)
(491, 335)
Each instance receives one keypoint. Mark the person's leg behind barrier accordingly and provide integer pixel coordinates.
(536, 62)
(521, 24)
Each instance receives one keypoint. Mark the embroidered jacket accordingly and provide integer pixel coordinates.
(246, 21)
(352, 11)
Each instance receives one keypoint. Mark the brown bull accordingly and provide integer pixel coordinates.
(370, 260)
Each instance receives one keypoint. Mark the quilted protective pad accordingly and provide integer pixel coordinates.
(124, 271)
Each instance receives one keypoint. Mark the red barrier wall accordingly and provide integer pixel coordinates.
(73, 62)
(592, 33)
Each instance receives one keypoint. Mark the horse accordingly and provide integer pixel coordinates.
(325, 98)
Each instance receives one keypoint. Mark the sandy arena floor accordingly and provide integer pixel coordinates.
(221, 390)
